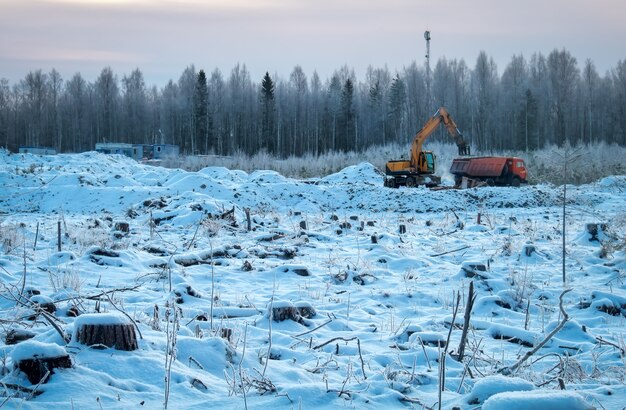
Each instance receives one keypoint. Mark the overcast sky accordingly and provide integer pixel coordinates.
(162, 37)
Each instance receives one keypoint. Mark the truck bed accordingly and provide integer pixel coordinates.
(478, 166)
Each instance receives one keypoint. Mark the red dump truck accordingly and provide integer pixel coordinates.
(490, 170)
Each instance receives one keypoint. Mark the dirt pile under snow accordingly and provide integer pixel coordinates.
(257, 290)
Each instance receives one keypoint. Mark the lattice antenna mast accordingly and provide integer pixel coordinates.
(428, 93)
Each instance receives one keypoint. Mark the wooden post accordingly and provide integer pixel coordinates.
(478, 219)
(36, 236)
(402, 229)
(247, 211)
(59, 236)
(471, 297)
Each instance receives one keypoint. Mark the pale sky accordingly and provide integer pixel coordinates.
(162, 37)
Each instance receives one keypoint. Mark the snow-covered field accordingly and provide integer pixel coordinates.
(367, 279)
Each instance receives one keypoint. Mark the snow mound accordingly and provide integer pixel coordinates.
(492, 385)
(31, 349)
(364, 172)
(112, 318)
(518, 400)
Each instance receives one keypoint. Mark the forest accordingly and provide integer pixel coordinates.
(536, 102)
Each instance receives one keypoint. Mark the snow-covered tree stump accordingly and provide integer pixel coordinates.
(284, 310)
(305, 309)
(15, 336)
(595, 231)
(107, 329)
(38, 360)
(529, 249)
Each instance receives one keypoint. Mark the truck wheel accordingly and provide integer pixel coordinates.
(490, 182)
(410, 182)
(515, 182)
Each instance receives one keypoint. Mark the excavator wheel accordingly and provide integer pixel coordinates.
(410, 182)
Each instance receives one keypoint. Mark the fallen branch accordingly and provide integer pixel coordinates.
(606, 342)
(332, 340)
(358, 342)
(510, 369)
(445, 253)
(99, 295)
(51, 319)
(312, 330)
(125, 314)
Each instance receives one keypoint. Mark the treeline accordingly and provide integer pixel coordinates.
(544, 100)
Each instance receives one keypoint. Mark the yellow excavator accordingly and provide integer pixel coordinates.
(420, 168)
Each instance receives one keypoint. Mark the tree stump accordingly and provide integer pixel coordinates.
(14, 336)
(38, 360)
(39, 370)
(122, 227)
(282, 311)
(374, 239)
(305, 310)
(226, 333)
(402, 229)
(303, 225)
(109, 330)
(595, 230)
(529, 249)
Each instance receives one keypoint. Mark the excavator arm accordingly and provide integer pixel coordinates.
(442, 115)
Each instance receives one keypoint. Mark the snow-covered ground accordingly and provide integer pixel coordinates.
(373, 273)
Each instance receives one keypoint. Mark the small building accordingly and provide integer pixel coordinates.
(138, 151)
(37, 150)
(115, 148)
(160, 151)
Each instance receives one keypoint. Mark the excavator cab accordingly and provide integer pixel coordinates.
(427, 162)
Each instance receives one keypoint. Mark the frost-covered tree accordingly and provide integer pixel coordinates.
(75, 104)
(484, 89)
(135, 107)
(590, 85)
(55, 82)
(347, 135)
(564, 77)
(397, 109)
(35, 93)
(299, 89)
(513, 108)
(186, 90)
(619, 85)
(107, 106)
(217, 127)
(5, 96)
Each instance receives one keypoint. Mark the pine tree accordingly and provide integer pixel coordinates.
(201, 111)
(268, 112)
(346, 130)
